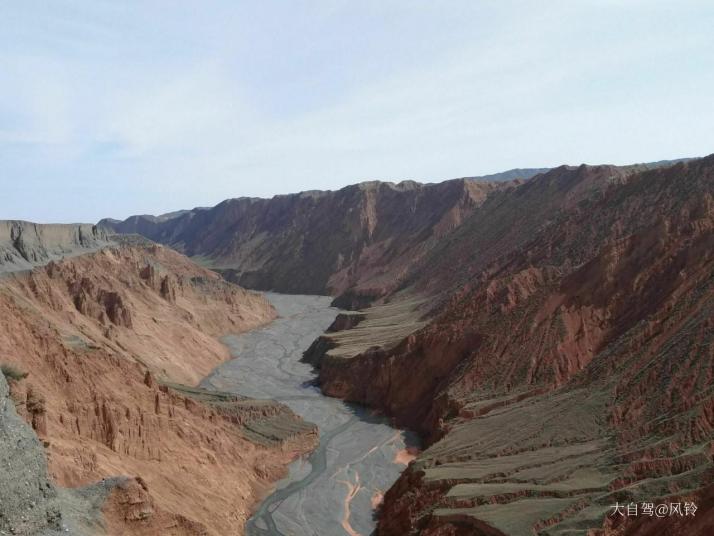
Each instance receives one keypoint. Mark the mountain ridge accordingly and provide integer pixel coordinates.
(576, 315)
(316, 242)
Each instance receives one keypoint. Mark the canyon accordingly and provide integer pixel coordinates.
(546, 333)
(337, 268)
(548, 337)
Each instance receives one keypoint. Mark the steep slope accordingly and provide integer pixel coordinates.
(31, 507)
(356, 242)
(506, 220)
(569, 364)
(108, 338)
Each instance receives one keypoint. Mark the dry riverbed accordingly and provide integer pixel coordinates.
(336, 489)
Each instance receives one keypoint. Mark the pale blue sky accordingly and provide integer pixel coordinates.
(117, 108)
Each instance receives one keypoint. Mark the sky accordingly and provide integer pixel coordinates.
(109, 109)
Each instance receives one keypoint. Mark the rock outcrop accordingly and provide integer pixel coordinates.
(29, 503)
(24, 245)
(566, 363)
(109, 341)
(356, 242)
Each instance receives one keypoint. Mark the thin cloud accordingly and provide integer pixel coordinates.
(146, 109)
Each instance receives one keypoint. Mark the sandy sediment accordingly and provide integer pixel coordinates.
(334, 486)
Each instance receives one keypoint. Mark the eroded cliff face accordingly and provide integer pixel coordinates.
(29, 500)
(356, 243)
(24, 245)
(108, 339)
(569, 364)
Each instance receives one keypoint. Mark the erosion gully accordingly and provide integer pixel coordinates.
(335, 490)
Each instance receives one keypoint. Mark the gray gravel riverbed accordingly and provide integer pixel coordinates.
(334, 490)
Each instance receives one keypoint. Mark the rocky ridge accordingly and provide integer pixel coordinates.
(568, 364)
(109, 341)
(24, 245)
(354, 243)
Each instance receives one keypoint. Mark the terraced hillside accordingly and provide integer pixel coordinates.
(569, 364)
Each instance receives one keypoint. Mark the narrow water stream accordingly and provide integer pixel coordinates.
(334, 490)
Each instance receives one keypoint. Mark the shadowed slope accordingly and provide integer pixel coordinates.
(356, 242)
(570, 365)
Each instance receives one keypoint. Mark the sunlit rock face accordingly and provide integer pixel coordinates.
(24, 245)
(104, 345)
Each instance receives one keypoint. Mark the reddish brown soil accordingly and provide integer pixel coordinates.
(355, 243)
(98, 334)
(593, 277)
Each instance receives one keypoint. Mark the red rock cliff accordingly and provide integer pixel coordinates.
(100, 336)
(355, 243)
(568, 365)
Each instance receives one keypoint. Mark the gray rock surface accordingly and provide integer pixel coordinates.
(24, 245)
(30, 505)
(28, 501)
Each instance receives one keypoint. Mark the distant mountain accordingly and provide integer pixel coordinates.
(511, 174)
(361, 237)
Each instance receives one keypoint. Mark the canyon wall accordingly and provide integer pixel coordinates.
(359, 244)
(101, 350)
(568, 364)
(356, 242)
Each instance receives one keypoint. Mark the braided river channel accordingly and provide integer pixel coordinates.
(335, 490)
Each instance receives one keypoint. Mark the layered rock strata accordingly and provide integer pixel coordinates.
(568, 363)
(355, 243)
(109, 341)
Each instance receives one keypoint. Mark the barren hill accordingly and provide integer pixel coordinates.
(360, 238)
(568, 366)
(99, 350)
